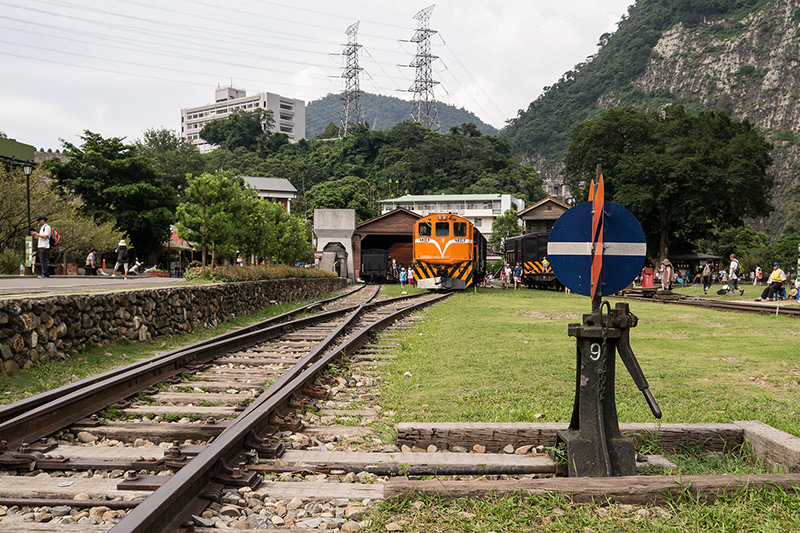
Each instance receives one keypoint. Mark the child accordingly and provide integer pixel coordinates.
(403, 277)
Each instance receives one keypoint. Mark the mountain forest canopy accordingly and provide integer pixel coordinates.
(731, 56)
(543, 129)
(680, 174)
(368, 166)
(381, 113)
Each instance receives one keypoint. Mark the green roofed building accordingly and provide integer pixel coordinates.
(16, 153)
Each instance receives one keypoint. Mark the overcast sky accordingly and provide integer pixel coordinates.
(119, 67)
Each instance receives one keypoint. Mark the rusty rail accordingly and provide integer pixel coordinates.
(52, 416)
(7, 412)
(172, 504)
(764, 308)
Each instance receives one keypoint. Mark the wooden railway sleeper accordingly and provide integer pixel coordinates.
(30, 460)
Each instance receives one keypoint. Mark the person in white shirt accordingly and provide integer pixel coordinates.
(43, 244)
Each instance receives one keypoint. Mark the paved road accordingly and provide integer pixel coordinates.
(31, 285)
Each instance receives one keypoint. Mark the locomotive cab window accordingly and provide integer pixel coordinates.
(425, 229)
(459, 229)
(442, 229)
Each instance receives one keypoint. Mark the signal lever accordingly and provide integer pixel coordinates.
(594, 444)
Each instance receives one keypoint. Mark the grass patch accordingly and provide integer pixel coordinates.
(504, 356)
(764, 510)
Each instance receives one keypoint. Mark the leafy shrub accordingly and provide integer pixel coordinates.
(10, 261)
(228, 273)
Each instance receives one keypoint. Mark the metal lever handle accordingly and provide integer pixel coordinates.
(627, 356)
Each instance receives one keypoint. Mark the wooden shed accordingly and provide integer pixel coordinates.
(541, 216)
(392, 231)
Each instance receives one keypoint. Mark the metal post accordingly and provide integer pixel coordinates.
(27, 169)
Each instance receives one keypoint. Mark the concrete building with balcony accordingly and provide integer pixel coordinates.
(278, 190)
(289, 114)
(480, 209)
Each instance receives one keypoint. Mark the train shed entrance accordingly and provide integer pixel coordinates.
(392, 231)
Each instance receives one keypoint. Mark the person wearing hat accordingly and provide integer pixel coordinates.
(667, 271)
(776, 281)
(43, 244)
(122, 259)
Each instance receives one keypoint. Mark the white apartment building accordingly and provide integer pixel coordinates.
(289, 114)
(480, 209)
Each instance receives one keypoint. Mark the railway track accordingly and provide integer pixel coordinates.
(761, 308)
(211, 431)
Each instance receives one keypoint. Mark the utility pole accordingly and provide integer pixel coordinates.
(351, 97)
(423, 107)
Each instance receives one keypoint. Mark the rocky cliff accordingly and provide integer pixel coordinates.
(741, 58)
(748, 69)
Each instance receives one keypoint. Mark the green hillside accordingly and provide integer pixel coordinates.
(736, 57)
(542, 131)
(383, 112)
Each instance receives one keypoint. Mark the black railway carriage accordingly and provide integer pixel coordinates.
(449, 252)
(374, 264)
(531, 252)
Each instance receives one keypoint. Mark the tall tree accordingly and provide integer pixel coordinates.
(240, 128)
(79, 233)
(675, 171)
(115, 183)
(503, 227)
(212, 213)
(170, 155)
(349, 192)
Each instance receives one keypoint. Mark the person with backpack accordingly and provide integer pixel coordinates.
(706, 277)
(122, 259)
(43, 244)
(733, 276)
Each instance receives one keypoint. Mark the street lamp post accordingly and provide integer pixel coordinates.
(27, 169)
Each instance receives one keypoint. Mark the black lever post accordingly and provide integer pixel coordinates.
(627, 356)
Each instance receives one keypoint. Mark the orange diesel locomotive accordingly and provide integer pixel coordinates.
(449, 252)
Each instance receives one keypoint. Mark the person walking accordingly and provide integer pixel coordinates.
(506, 275)
(43, 244)
(517, 276)
(759, 275)
(122, 259)
(776, 281)
(706, 278)
(733, 276)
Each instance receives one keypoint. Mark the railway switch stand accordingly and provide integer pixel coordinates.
(598, 248)
(594, 445)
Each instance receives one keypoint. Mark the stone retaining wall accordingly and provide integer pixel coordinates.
(49, 327)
